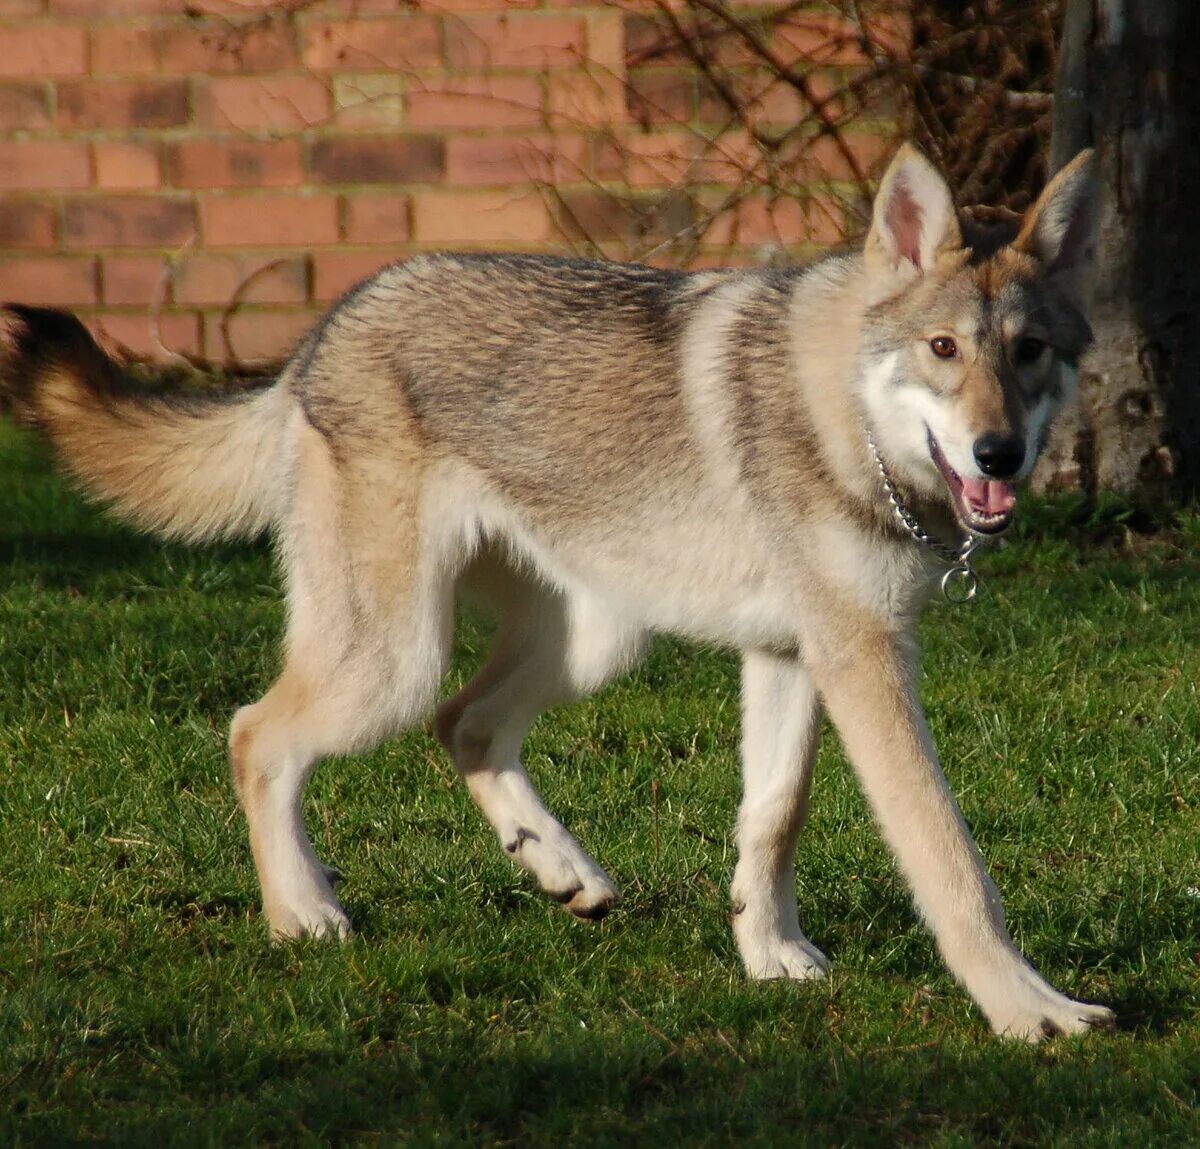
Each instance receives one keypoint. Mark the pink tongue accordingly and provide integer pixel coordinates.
(989, 496)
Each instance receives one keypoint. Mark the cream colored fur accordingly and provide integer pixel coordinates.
(601, 453)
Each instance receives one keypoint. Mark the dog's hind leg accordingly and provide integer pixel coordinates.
(274, 747)
(781, 717)
(368, 631)
(551, 650)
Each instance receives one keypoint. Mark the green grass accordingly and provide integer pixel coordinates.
(142, 1005)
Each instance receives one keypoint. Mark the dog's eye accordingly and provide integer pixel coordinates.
(943, 347)
(1029, 350)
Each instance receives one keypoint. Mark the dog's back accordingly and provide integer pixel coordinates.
(778, 461)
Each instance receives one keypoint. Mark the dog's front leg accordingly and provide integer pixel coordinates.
(780, 720)
(867, 679)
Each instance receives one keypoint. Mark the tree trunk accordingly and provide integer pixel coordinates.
(1129, 86)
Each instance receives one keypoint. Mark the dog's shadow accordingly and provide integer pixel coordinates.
(1154, 1011)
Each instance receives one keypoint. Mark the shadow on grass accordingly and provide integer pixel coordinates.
(1155, 1011)
(78, 560)
(634, 1088)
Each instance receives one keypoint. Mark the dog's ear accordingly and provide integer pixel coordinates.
(1060, 229)
(914, 217)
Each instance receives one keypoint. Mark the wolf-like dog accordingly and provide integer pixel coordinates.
(777, 461)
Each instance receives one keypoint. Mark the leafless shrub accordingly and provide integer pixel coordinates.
(763, 126)
(980, 88)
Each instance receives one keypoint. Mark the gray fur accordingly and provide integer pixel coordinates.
(602, 451)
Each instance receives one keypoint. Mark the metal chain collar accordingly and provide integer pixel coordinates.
(960, 583)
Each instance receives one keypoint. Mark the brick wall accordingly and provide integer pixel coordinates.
(203, 177)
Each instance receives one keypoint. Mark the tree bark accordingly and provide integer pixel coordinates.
(1129, 86)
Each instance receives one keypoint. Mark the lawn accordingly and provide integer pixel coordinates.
(141, 1004)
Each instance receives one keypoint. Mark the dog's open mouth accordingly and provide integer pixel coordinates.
(984, 506)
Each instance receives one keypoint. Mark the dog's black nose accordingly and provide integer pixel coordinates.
(999, 456)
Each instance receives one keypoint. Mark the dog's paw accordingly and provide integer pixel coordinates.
(564, 870)
(323, 921)
(768, 956)
(590, 903)
(1060, 1018)
(1032, 1010)
(308, 911)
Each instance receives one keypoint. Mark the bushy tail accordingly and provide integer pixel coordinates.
(191, 465)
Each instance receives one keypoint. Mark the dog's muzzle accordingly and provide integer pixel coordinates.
(983, 506)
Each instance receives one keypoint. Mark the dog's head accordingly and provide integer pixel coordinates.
(970, 349)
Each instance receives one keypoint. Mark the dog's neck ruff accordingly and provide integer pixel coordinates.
(960, 582)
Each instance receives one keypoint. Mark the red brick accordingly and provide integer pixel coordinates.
(108, 9)
(126, 167)
(606, 40)
(583, 99)
(128, 221)
(523, 159)
(236, 8)
(235, 163)
(476, 102)
(449, 6)
(123, 104)
(42, 51)
(624, 224)
(149, 334)
(54, 280)
(9, 9)
(595, 215)
(732, 159)
(648, 41)
(52, 164)
(818, 38)
(24, 107)
(514, 40)
(376, 218)
(378, 159)
(211, 279)
(407, 40)
(713, 107)
(826, 158)
(118, 50)
(783, 104)
(250, 335)
(263, 103)
(27, 223)
(270, 221)
(658, 95)
(219, 46)
(337, 271)
(664, 159)
(469, 218)
(372, 101)
(136, 280)
(783, 220)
